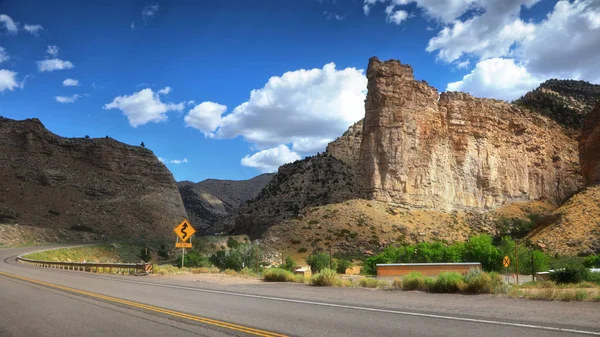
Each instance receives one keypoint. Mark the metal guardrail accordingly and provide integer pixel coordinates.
(119, 268)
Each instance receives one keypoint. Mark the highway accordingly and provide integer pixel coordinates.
(47, 302)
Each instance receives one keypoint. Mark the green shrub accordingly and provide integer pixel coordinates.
(397, 283)
(592, 261)
(342, 265)
(278, 275)
(232, 243)
(319, 261)
(478, 282)
(302, 250)
(163, 251)
(368, 282)
(570, 274)
(413, 281)
(448, 282)
(326, 277)
(289, 264)
(193, 259)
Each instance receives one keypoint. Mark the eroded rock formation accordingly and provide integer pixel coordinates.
(589, 148)
(454, 151)
(98, 185)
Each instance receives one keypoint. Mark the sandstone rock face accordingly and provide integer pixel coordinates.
(455, 151)
(347, 147)
(589, 148)
(98, 185)
(210, 201)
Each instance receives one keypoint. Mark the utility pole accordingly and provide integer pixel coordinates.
(517, 260)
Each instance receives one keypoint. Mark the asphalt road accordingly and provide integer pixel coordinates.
(47, 302)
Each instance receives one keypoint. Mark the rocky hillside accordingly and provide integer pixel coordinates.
(565, 101)
(347, 147)
(455, 151)
(313, 181)
(211, 200)
(589, 147)
(98, 185)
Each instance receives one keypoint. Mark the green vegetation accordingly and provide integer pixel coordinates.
(319, 261)
(278, 275)
(413, 281)
(478, 249)
(342, 265)
(236, 259)
(109, 253)
(193, 259)
(289, 264)
(326, 277)
(573, 274)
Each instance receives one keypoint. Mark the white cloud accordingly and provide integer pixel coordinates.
(132, 26)
(54, 64)
(8, 24)
(144, 106)
(33, 29)
(161, 159)
(497, 78)
(463, 64)
(566, 43)
(300, 107)
(8, 80)
(69, 82)
(165, 90)
(397, 16)
(52, 50)
(66, 99)
(191, 102)
(205, 117)
(149, 11)
(3, 55)
(269, 160)
(179, 161)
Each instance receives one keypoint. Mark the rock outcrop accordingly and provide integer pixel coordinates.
(313, 181)
(210, 201)
(347, 147)
(589, 148)
(98, 185)
(455, 151)
(565, 101)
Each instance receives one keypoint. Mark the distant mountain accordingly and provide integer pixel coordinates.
(211, 200)
(565, 101)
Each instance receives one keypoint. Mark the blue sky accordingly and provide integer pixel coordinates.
(179, 75)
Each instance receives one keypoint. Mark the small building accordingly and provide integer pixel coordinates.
(303, 270)
(426, 269)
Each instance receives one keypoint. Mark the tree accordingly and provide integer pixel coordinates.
(319, 261)
(480, 249)
(143, 145)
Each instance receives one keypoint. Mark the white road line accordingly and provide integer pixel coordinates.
(343, 306)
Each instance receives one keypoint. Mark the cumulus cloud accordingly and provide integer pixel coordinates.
(9, 25)
(304, 109)
(3, 55)
(33, 29)
(8, 80)
(54, 64)
(397, 16)
(179, 161)
(69, 82)
(66, 99)
(149, 11)
(205, 117)
(52, 50)
(497, 78)
(144, 106)
(270, 159)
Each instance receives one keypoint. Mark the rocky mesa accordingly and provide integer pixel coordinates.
(98, 185)
(453, 151)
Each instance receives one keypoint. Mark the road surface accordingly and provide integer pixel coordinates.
(47, 302)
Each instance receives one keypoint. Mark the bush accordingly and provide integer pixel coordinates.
(368, 282)
(592, 261)
(478, 282)
(326, 277)
(397, 283)
(163, 251)
(413, 281)
(302, 250)
(278, 275)
(448, 282)
(194, 259)
(342, 265)
(289, 264)
(571, 274)
(232, 243)
(320, 261)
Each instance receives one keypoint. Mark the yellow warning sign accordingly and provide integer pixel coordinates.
(184, 230)
(506, 261)
(183, 245)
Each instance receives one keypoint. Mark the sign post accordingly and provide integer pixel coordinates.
(506, 263)
(184, 232)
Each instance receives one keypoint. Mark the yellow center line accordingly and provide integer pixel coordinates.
(195, 318)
